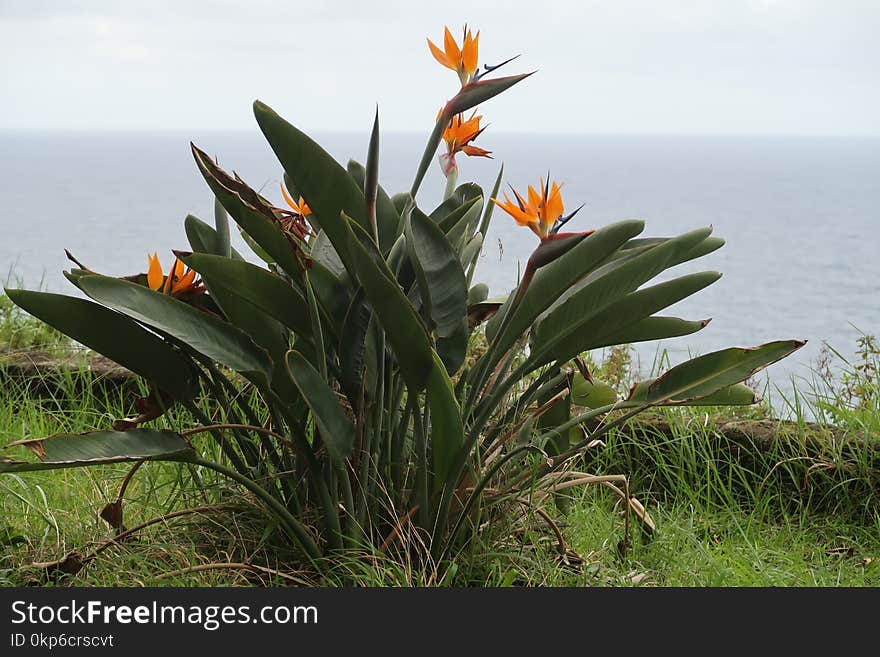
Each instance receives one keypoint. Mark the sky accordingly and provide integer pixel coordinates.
(737, 67)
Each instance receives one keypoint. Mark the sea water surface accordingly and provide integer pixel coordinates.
(800, 216)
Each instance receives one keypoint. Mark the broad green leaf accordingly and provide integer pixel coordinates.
(221, 224)
(605, 285)
(337, 430)
(638, 245)
(256, 220)
(471, 250)
(737, 394)
(387, 213)
(203, 238)
(236, 287)
(439, 272)
(265, 290)
(322, 250)
(552, 280)
(401, 201)
(452, 349)
(321, 180)
(454, 218)
(357, 353)
(332, 293)
(463, 229)
(115, 336)
(708, 374)
(101, 447)
(648, 329)
(204, 333)
(464, 194)
(572, 328)
(447, 430)
(404, 329)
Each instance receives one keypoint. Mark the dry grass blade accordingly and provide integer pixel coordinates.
(198, 568)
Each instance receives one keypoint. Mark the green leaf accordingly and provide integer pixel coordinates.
(337, 430)
(115, 336)
(471, 250)
(707, 246)
(101, 447)
(321, 180)
(708, 374)
(387, 211)
(452, 349)
(203, 238)
(207, 334)
(439, 272)
(572, 328)
(265, 290)
(648, 329)
(243, 292)
(447, 430)
(737, 394)
(221, 223)
(404, 329)
(333, 295)
(251, 215)
(357, 353)
(554, 279)
(463, 229)
(322, 250)
(455, 217)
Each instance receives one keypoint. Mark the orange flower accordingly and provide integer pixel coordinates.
(301, 208)
(180, 281)
(540, 212)
(461, 60)
(458, 137)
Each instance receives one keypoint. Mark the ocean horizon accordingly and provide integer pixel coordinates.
(799, 214)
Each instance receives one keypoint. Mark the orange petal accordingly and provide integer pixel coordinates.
(452, 51)
(440, 56)
(555, 207)
(184, 283)
(304, 208)
(475, 151)
(514, 211)
(287, 198)
(178, 268)
(534, 200)
(154, 274)
(469, 52)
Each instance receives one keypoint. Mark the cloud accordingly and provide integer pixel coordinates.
(631, 66)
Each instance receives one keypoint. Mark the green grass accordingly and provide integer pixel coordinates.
(784, 516)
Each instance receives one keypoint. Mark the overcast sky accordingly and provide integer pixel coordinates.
(807, 67)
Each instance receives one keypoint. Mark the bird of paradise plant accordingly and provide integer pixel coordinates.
(369, 409)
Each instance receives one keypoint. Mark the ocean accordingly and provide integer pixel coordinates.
(800, 216)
